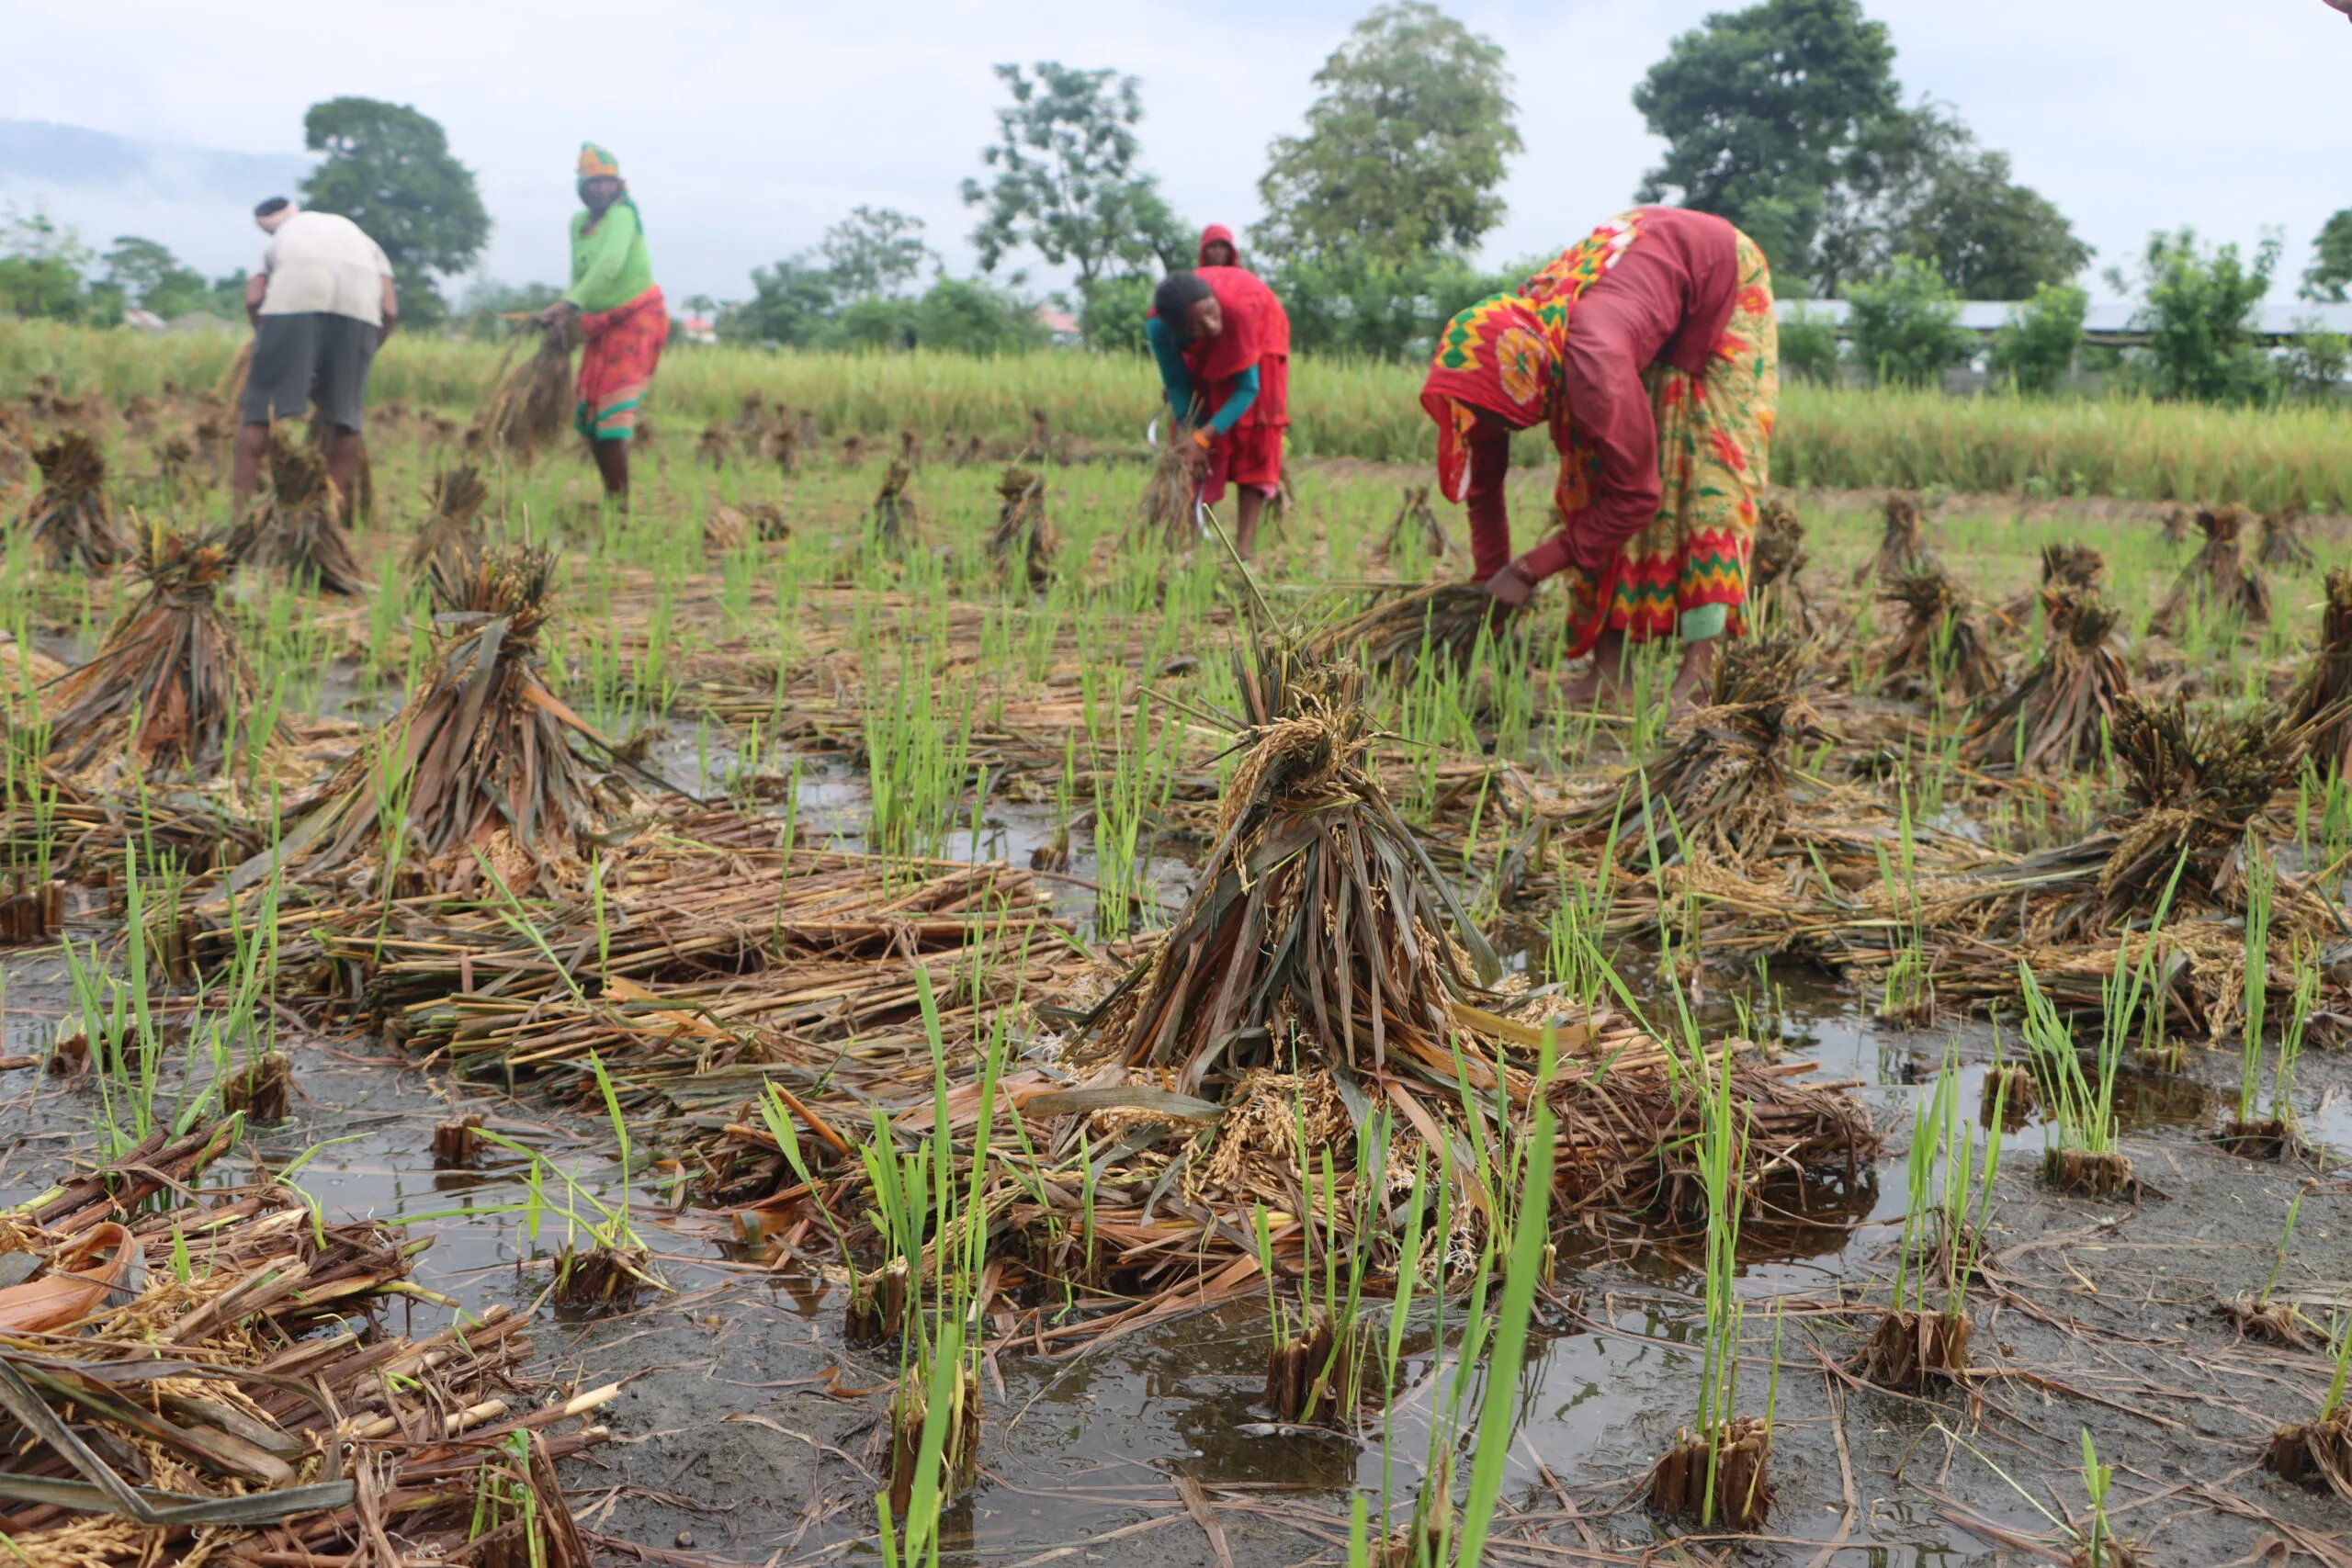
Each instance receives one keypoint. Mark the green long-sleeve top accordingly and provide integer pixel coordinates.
(610, 266)
(1177, 379)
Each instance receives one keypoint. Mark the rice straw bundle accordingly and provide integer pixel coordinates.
(481, 759)
(1721, 789)
(298, 530)
(784, 447)
(1167, 512)
(1776, 595)
(2057, 717)
(2282, 540)
(896, 523)
(1022, 540)
(1903, 548)
(2191, 786)
(71, 518)
(2065, 564)
(2217, 578)
(1318, 932)
(1937, 651)
(457, 496)
(715, 445)
(726, 528)
(170, 684)
(1442, 621)
(2320, 697)
(530, 402)
(1416, 519)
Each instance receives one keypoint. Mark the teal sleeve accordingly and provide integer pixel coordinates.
(1173, 377)
(1244, 392)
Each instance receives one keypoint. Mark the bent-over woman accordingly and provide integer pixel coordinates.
(1650, 349)
(1222, 340)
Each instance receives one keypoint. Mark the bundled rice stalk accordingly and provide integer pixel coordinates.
(2065, 564)
(2322, 703)
(2217, 578)
(1022, 539)
(298, 530)
(853, 450)
(910, 448)
(1318, 932)
(1721, 789)
(2190, 787)
(1776, 593)
(896, 523)
(2283, 544)
(784, 447)
(1903, 548)
(1937, 651)
(1414, 519)
(457, 496)
(1721, 1481)
(2056, 718)
(1167, 512)
(167, 689)
(715, 445)
(483, 759)
(1440, 621)
(529, 405)
(725, 528)
(71, 519)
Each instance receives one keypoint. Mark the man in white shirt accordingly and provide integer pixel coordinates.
(320, 305)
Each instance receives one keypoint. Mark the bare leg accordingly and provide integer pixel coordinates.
(1605, 681)
(1695, 679)
(343, 467)
(1248, 508)
(611, 464)
(244, 466)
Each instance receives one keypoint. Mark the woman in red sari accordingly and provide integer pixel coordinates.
(1222, 340)
(1651, 351)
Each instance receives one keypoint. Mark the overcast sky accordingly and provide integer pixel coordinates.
(745, 130)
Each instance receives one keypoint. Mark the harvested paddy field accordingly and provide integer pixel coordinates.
(882, 985)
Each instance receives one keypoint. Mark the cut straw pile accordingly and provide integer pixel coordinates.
(71, 519)
(193, 1374)
(1441, 622)
(481, 759)
(2058, 716)
(2216, 580)
(530, 402)
(1937, 651)
(1903, 548)
(169, 687)
(298, 530)
(457, 496)
(2321, 704)
(1022, 544)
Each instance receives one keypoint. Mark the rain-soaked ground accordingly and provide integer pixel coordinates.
(751, 1432)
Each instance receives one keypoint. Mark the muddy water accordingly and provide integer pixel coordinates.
(749, 1430)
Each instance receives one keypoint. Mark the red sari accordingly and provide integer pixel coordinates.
(1257, 332)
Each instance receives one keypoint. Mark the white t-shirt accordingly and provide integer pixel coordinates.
(317, 261)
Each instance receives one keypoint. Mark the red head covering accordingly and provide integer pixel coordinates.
(1257, 332)
(1503, 354)
(1216, 231)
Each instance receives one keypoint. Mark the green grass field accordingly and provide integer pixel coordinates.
(1828, 437)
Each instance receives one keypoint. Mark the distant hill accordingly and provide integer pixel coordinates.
(195, 199)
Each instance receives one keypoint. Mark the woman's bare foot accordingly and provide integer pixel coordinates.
(1605, 681)
(1696, 676)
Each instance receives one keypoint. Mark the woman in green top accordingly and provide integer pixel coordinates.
(622, 316)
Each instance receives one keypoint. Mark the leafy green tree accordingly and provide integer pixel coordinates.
(1905, 324)
(793, 301)
(226, 298)
(961, 315)
(388, 169)
(2315, 362)
(1110, 314)
(2330, 274)
(875, 250)
(1347, 301)
(2198, 317)
(1067, 185)
(1809, 347)
(1404, 148)
(150, 277)
(1785, 117)
(42, 267)
(2036, 346)
(1761, 110)
(493, 311)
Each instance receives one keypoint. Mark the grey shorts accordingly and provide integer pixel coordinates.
(305, 357)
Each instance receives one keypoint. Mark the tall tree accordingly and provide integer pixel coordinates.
(1403, 150)
(2199, 316)
(388, 169)
(2330, 274)
(153, 278)
(1066, 184)
(1761, 110)
(875, 250)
